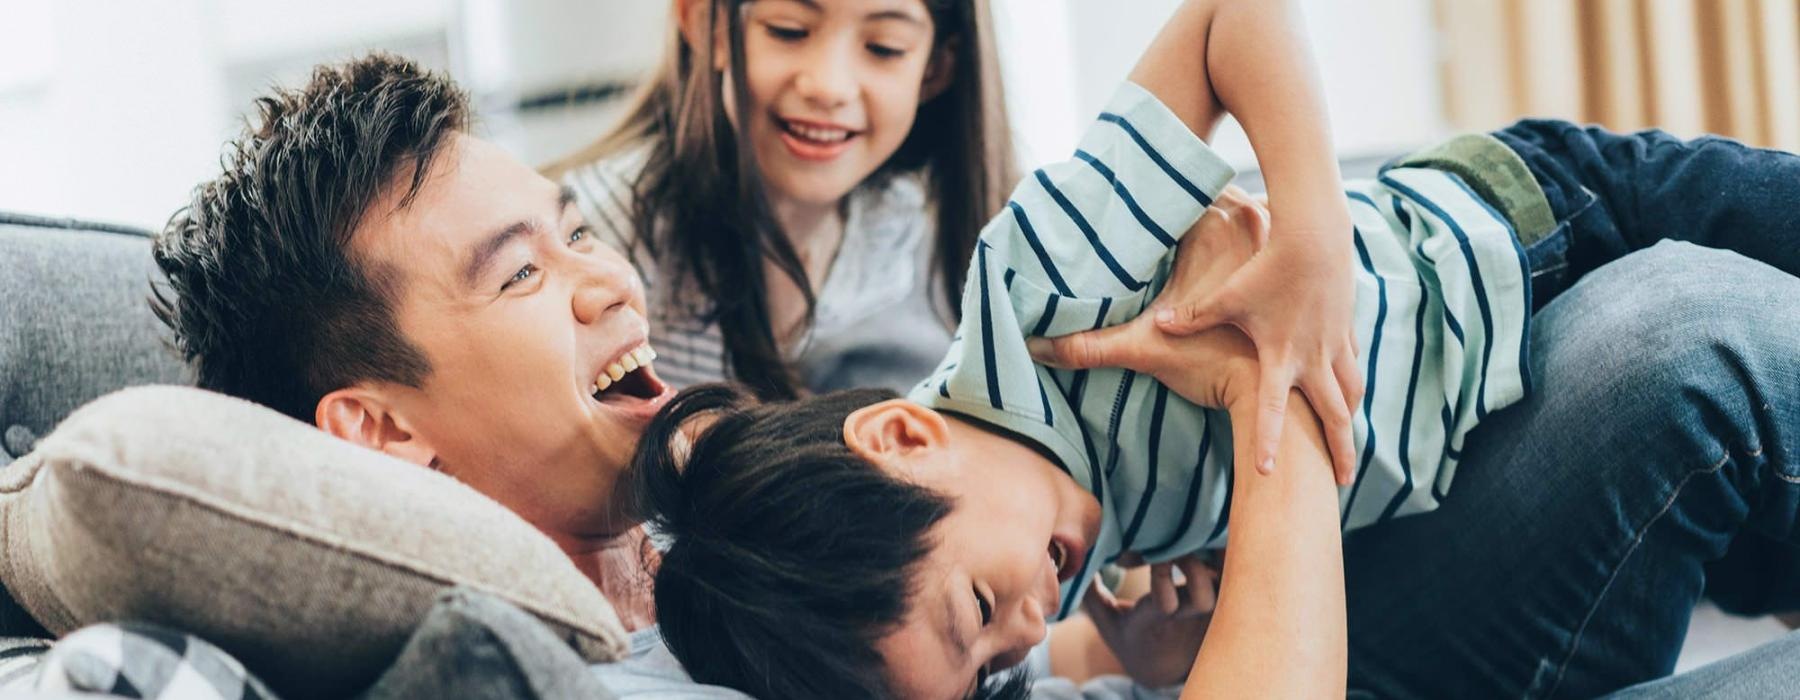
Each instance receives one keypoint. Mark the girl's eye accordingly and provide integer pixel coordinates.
(881, 51)
(784, 33)
(580, 234)
(523, 274)
(987, 609)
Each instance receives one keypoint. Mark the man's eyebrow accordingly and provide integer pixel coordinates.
(483, 258)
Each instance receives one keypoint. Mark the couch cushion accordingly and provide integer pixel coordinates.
(75, 322)
(308, 558)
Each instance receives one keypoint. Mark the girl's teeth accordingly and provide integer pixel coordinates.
(615, 371)
(602, 383)
(824, 135)
(629, 362)
(642, 355)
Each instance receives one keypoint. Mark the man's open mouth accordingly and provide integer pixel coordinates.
(629, 378)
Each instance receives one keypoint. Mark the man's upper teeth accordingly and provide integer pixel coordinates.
(639, 356)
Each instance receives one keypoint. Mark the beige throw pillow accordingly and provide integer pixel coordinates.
(308, 558)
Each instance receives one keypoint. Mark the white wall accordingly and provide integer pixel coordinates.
(1377, 59)
(114, 110)
(118, 128)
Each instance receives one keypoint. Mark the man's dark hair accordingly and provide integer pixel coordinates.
(264, 294)
(790, 555)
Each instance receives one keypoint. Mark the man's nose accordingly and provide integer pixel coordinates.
(600, 292)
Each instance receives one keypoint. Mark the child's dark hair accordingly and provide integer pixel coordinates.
(790, 555)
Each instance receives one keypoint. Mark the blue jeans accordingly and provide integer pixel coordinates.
(1665, 424)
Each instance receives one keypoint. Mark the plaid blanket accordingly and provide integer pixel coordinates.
(129, 661)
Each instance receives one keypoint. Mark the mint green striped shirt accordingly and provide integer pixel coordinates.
(1442, 313)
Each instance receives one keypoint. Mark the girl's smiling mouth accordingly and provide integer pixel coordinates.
(814, 141)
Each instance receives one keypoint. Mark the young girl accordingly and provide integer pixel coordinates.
(800, 185)
(817, 237)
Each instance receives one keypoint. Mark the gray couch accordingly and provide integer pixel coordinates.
(74, 324)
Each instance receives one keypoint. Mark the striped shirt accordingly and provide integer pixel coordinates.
(1441, 313)
(880, 319)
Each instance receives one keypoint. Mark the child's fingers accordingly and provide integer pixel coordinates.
(1349, 375)
(1112, 346)
(1326, 395)
(1187, 318)
(1201, 595)
(1272, 398)
(1099, 596)
(1162, 587)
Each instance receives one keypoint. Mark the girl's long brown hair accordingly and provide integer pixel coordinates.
(700, 197)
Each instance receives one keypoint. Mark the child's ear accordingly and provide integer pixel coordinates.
(894, 428)
(362, 415)
(940, 71)
(695, 17)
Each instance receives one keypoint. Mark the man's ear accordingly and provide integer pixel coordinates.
(363, 416)
(940, 71)
(894, 428)
(697, 23)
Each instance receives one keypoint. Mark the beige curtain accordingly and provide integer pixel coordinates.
(1728, 67)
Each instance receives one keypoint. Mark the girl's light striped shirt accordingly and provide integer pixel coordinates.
(1441, 315)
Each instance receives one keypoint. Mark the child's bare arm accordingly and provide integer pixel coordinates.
(1279, 629)
(1250, 58)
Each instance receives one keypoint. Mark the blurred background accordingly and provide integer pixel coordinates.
(113, 110)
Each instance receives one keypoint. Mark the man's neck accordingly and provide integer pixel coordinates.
(623, 567)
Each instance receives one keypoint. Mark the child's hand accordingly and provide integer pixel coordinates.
(1156, 637)
(1216, 368)
(1295, 299)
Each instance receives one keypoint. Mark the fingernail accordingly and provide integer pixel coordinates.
(1267, 466)
(1039, 348)
(1165, 316)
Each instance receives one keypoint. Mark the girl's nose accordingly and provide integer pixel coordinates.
(826, 83)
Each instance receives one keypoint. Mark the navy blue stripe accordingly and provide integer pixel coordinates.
(1125, 195)
(1456, 329)
(1481, 300)
(1093, 238)
(1120, 398)
(1440, 487)
(1043, 325)
(1037, 247)
(987, 330)
(1195, 486)
(1008, 278)
(1412, 389)
(1524, 277)
(1155, 451)
(1360, 197)
(1369, 385)
(1044, 396)
(1400, 213)
(1157, 158)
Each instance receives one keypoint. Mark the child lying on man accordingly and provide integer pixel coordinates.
(886, 544)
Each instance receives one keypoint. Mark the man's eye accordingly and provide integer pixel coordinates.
(580, 234)
(987, 609)
(786, 33)
(523, 274)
